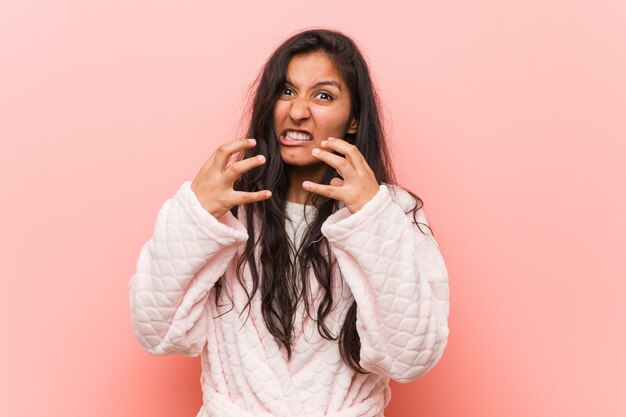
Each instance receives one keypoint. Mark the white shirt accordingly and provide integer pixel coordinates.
(300, 217)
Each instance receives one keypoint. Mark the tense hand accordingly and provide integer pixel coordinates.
(359, 184)
(213, 185)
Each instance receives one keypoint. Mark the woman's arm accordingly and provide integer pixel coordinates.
(188, 252)
(399, 281)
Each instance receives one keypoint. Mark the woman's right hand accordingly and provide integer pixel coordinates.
(213, 185)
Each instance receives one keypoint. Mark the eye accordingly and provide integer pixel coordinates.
(330, 97)
(286, 89)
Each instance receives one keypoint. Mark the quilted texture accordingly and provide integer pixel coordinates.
(395, 273)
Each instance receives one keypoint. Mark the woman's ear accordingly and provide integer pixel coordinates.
(353, 126)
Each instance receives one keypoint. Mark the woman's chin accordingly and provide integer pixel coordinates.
(297, 157)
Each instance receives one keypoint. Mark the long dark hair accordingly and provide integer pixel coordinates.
(279, 290)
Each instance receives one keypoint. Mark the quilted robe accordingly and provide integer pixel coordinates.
(395, 273)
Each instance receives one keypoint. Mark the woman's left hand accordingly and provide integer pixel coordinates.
(359, 184)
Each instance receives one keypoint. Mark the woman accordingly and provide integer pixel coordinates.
(299, 271)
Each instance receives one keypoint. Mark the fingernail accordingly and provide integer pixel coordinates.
(331, 138)
(316, 151)
(324, 143)
(261, 158)
(253, 141)
(268, 194)
(305, 185)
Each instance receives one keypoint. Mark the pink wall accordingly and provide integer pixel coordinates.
(507, 118)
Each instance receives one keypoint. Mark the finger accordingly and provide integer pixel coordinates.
(341, 164)
(244, 197)
(236, 169)
(352, 153)
(336, 181)
(223, 153)
(325, 190)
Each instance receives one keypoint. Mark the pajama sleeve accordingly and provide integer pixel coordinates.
(187, 253)
(399, 281)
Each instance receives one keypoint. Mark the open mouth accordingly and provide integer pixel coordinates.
(298, 135)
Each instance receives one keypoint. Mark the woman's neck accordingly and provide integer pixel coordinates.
(299, 174)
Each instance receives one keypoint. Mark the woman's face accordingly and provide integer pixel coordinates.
(314, 105)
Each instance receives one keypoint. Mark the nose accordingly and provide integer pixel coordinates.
(299, 109)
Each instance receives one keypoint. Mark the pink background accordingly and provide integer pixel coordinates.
(507, 118)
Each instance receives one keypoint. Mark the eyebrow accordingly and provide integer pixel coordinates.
(324, 82)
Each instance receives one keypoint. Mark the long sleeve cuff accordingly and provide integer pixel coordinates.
(341, 224)
(224, 230)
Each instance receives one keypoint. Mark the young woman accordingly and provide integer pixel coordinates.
(299, 270)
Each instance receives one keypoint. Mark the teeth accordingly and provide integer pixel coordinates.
(297, 135)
